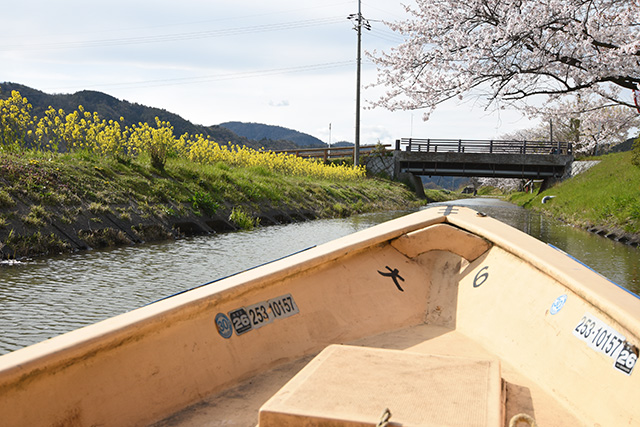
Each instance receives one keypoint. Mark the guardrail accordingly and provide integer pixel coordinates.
(484, 146)
(332, 152)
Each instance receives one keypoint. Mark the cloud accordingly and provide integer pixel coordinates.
(283, 103)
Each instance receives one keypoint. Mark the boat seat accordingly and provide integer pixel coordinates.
(353, 386)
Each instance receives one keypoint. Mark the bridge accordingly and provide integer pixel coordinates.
(480, 158)
(413, 157)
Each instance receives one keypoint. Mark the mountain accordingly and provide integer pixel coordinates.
(342, 144)
(111, 108)
(261, 132)
(445, 182)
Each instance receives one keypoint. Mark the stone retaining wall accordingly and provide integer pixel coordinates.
(578, 167)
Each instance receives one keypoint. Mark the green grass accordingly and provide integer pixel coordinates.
(42, 188)
(443, 195)
(606, 195)
(490, 192)
(37, 216)
(242, 219)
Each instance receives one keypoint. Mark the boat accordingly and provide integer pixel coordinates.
(443, 317)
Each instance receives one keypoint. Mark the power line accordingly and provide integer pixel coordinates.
(191, 23)
(389, 36)
(163, 38)
(385, 12)
(218, 77)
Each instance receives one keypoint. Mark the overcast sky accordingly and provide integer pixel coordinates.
(289, 63)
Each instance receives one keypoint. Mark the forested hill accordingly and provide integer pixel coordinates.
(111, 108)
(262, 132)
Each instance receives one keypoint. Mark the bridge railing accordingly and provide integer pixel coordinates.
(334, 152)
(483, 146)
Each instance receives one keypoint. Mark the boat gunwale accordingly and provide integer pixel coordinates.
(605, 295)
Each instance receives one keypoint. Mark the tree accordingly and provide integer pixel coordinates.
(587, 122)
(511, 51)
(591, 130)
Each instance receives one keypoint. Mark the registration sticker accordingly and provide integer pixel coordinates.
(240, 320)
(245, 319)
(558, 304)
(604, 339)
(224, 325)
(627, 359)
(283, 306)
(259, 315)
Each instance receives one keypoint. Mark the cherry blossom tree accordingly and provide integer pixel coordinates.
(591, 126)
(510, 51)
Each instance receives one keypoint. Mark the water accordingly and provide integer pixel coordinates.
(46, 297)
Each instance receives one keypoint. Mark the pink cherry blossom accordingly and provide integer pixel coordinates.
(513, 51)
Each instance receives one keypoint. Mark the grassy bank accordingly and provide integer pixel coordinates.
(55, 202)
(607, 196)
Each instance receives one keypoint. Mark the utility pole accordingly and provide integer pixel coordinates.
(359, 23)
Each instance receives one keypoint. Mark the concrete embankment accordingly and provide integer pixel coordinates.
(604, 198)
(617, 235)
(124, 224)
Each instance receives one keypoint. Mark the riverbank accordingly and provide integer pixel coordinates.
(57, 203)
(604, 200)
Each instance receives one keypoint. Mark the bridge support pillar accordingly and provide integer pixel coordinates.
(414, 182)
(547, 183)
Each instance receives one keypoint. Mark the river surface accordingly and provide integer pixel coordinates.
(45, 297)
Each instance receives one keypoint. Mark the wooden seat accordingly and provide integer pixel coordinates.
(352, 386)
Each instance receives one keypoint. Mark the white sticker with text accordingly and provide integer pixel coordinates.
(604, 339)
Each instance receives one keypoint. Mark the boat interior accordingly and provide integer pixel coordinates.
(517, 393)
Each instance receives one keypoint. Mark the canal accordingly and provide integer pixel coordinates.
(42, 298)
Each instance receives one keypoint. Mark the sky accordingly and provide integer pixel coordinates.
(279, 62)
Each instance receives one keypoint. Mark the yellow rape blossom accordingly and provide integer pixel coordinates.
(85, 131)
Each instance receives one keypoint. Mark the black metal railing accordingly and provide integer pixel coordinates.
(483, 146)
(334, 152)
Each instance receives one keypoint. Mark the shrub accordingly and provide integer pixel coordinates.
(36, 216)
(6, 200)
(242, 219)
(202, 201)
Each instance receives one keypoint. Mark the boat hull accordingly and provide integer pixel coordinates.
(522, 301)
